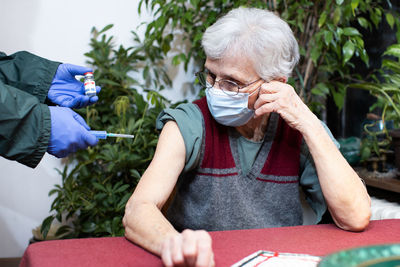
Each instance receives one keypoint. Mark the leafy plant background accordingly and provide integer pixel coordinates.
(385, 86)
(97, 182)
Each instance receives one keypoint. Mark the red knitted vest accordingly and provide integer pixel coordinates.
(283, 158)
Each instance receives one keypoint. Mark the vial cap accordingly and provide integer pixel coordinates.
(88, 73)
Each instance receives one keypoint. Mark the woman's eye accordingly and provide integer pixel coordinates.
(229, 86)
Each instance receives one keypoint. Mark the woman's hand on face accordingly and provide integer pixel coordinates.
(281, 98)
(189, 248)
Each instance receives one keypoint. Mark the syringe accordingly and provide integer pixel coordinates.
(104, 135)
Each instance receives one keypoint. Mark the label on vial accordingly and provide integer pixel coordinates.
(90, 88)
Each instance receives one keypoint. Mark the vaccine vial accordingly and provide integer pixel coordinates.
(90, 86)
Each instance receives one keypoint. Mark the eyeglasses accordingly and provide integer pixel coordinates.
(208, 80)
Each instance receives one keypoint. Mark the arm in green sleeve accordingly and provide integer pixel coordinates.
(25, 126)
(28, 72)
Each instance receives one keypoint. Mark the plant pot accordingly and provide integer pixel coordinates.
(395, 134)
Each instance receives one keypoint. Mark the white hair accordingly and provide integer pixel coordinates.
(257, 34)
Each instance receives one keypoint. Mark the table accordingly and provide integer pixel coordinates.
(229, 246)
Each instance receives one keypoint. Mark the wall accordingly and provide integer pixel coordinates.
(60, 31)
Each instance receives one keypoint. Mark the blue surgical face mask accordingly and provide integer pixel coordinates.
(227, 108)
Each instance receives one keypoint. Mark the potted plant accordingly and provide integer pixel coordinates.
(387, 92)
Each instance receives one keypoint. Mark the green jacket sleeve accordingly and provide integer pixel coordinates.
(28, 72)
(25, 122)
(24, 126)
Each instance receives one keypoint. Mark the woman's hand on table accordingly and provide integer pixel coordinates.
(189, 248)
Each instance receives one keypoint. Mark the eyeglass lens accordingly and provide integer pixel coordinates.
(225, 85)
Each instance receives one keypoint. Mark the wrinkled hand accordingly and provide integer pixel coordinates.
(190, 248)
(69, 132)
(281, 98)
(66, 91)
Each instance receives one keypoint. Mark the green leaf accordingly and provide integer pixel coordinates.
(392, 65)
(365, 153)
(348, 51)
(390, 19)
(122, 188)
(106, 28)
(122, 202)
(338, 96)
(350, 31)
(315, 54)
(339, 32)
(363, 22)
(99, 187)
(393, 50)
(366, 86)
(328, 36)
(322, 19)
(44, 229)
(63, 230)
(135, 174)
(88, 227)
(339, 2)
(354, 5)
(364, 57)
(176, 60)
(320, 89)
(337, 14)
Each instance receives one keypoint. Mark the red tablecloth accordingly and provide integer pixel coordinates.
(229, 246)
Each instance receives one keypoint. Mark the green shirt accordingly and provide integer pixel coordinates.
(189, 120)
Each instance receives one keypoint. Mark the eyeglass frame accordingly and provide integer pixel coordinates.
(206, 83)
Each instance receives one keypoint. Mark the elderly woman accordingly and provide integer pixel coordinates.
(236, 158)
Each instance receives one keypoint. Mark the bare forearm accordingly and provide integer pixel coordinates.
(344, 192)
(147, 227)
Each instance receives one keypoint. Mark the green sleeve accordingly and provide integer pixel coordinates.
(309, 179)
(190, 123)
(27, 72)
(25, 126)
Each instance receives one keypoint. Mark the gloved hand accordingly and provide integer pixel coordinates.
(69, 132)
(66, 91)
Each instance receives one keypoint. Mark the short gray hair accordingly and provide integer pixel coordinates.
(258, 34)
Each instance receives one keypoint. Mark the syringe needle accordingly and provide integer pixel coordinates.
(104, 135)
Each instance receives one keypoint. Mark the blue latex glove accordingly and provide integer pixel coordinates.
(69, 132)
(66, 91)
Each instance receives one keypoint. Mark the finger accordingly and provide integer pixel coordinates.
(63, 101)
(89, 139)
(80, 101)
(212, 261)
(204, 249)
(77, 70)
(98, 89)
(266, 108)
(80, 120)
(176, 251)
(271, 87)
(265, 98)
(267, 88)
(93, 99)
(166, 253)
(84, 101)
(189, 247)
(73, 102)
